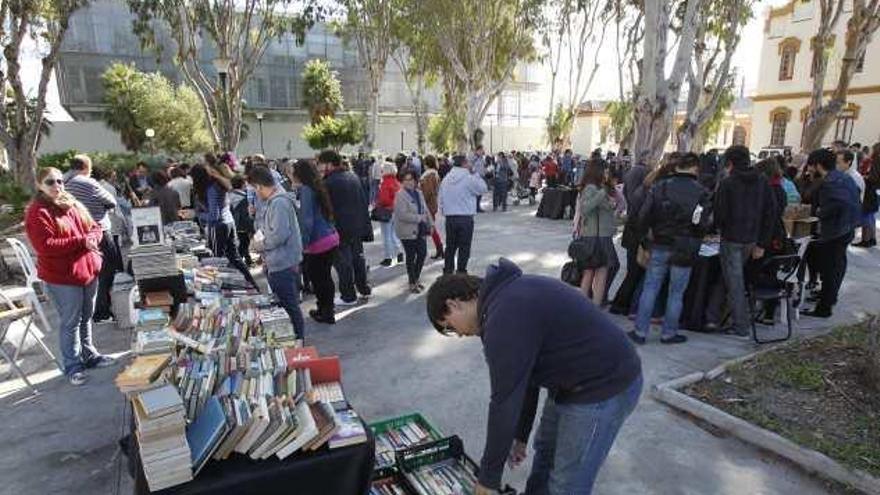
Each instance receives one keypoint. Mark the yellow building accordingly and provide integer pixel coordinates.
(785, 81)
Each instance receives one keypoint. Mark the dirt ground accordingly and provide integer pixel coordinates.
(814, 392)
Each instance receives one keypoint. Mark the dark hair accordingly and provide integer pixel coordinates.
(331, 157)
(183, 167)
(450, 286)
(210, 159)
(259, 175)
(201, 181)
(408, 173)
(739, 156)
(839, 142)
(238, 182)
(769, 167)
(848, 155)
(688, 161)
(141, 164)
(99, 173)
(79, 162)
(594, 174)
(307, 173)
(431, 162)
(159, 178)
(459, 160)
(176, 172)
(823, 158)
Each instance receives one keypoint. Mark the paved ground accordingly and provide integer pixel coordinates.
(64, 440)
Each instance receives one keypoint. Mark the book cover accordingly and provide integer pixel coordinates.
(326, 423)
(350, 432)
(143, 370)
(159, 401)
(205, 433)
(308, 431)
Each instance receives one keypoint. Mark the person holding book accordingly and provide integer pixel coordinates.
(319, 237)
(280, 243)
(412, 223)
(67, 243)
(540, 332)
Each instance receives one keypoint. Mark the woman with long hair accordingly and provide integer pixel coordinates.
(430, 185)
(66, 239)
(210, 184)
(595, 223)
(319, 237)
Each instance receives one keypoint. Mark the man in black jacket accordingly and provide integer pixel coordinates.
(744, 214)
(352, 216)
(634, 193)
(838, 211)
(676, 213)
(538, 332)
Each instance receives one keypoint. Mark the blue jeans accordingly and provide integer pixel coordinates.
(679, 276)
(75, 305)
(389, 240)
(285, 286)
(734, 257)
(573, 441)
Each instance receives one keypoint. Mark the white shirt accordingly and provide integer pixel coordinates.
(853, 172)
(183, 187)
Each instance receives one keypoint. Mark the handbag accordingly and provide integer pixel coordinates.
(571, 273)
(381, 214)
(588, 252)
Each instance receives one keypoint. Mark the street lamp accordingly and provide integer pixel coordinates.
(260, 120)
(402, 134)
(150, 133)
(222, 66)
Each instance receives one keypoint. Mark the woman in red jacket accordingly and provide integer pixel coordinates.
(385, 201)
(66, 239)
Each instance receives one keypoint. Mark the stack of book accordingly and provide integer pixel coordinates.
(153, 261)
(153, 342)
(389, 486)
(406, 435)
(161, 437)
(277, 326)
(449, 477)
(144, 373)
(151, 319)
(158, 299)
(185, 236)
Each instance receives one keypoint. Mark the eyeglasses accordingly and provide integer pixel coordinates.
(448, 331)
(52, 182)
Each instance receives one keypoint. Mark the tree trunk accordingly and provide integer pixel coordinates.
(373, 128)
(818, 124)
(23, 164)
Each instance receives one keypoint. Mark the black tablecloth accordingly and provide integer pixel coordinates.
(553, 203)
(705, 274)
(342, 471)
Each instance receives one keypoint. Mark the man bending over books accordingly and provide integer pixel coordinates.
(539, 332)
(279, 242)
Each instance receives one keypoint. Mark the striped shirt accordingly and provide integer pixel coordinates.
(97, 200)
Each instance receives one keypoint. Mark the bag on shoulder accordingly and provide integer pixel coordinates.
(587, 252)
(242, 217)
(381, 214)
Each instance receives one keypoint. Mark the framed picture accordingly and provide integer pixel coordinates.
(147, 223)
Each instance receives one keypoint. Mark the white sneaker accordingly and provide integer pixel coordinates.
(340, 302)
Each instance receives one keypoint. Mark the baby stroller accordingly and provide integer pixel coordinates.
(521, 193)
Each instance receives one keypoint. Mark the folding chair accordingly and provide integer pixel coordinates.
(7, 318)
(782, 291)
(28, 294)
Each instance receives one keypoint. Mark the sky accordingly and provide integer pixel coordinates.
(604, 87)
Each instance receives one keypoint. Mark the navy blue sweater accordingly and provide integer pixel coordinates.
(540, 332)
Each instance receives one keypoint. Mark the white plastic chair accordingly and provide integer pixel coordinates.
(27, 294)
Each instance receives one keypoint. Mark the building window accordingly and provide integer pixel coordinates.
(739, 136)
(788, 49)
(779, 123)
(846, 120)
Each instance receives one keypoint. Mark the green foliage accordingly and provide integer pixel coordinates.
(122, 163)
(621, 113)
(137, 101)
(12, 195)
(59, 160)
(335, 132)
(725, 102)
(30, 111)
(445, 131)
(322, 93)
(560, 125)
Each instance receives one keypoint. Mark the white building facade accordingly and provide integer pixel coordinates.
(785, 81)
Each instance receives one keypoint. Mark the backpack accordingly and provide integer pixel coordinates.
(240, 214)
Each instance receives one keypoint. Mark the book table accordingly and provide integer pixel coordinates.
(342, 471)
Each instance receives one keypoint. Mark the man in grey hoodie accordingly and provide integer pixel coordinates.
(279, 242)
(456, 203)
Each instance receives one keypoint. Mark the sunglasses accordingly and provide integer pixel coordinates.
(448, 331)
(52, 182)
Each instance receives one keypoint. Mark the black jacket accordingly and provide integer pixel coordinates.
(349, 205)
(745, 209)
(669, 208)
